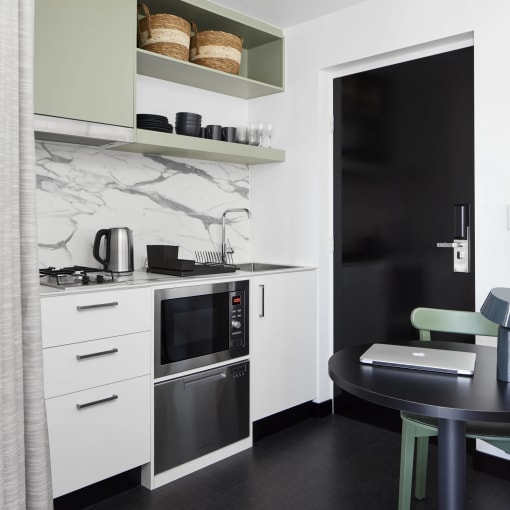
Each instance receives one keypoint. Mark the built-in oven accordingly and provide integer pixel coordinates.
(199, 325)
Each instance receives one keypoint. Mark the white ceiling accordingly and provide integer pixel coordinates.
(286, 13)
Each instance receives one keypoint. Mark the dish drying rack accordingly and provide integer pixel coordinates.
(213, 258)
(164, 260)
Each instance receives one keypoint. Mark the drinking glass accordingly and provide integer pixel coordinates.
(260, 129)
(253, 134)
(268, 131)
(242, 135)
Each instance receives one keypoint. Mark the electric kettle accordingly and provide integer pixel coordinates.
(118, 249)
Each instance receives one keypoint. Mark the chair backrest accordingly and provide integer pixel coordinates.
(451, 321)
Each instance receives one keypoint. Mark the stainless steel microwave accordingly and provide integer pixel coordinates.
(199, 325)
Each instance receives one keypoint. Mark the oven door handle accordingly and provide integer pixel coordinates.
(193, 381)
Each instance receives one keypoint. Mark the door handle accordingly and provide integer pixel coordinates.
(461, 239)
(449, 245)
(262, 312)
(461, 250)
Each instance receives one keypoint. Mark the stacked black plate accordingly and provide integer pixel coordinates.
(187, 123)
(153, 122)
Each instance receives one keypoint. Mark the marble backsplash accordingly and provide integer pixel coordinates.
(162, 200)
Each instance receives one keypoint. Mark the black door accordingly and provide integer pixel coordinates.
(404, 155)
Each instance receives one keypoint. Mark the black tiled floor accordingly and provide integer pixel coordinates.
(329, 463)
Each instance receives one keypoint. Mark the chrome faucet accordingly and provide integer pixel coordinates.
(223, 240)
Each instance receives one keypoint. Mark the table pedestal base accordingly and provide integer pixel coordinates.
(452, 464)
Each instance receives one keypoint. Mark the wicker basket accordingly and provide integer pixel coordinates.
(217, 50)
(164, 33)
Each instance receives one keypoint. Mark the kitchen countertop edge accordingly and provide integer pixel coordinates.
(167, 280)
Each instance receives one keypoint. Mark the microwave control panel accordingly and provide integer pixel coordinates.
(237, 314)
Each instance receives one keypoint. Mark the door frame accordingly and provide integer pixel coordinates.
(325, 141)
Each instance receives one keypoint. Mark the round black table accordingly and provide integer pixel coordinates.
(451, 399)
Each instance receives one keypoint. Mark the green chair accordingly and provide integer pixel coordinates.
(420, 428)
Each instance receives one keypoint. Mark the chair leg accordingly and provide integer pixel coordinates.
(406, 466)
(422, 452)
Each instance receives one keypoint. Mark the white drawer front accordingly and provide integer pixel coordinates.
(83, 365)
(101, 440)
(93, 315)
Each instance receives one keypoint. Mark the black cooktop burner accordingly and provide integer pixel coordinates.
(74, 276)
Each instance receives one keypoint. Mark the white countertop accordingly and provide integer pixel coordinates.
(143, 278)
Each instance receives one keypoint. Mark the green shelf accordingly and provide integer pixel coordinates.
(171, 144)
(262, 61)
(178, 71)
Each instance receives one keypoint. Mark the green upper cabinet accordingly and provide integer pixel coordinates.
(84, 60)
(262, 60)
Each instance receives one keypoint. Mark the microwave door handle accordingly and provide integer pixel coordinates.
(190, 382)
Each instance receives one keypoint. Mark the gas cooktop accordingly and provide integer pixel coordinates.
(76, 276)
(73, 277)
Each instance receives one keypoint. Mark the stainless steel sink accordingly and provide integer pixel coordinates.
(255, 267)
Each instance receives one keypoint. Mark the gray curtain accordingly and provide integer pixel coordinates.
(24, 459)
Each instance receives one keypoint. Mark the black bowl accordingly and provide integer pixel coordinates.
(187, 126)
(189, 121)
(190, 125)
(190, 114)
(187, 130)
(187, 116)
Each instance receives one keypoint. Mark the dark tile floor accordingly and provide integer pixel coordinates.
(329, 463)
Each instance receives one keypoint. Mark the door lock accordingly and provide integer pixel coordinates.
(461, 241)
(460, 253)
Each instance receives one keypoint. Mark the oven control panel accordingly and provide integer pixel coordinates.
(237, 314)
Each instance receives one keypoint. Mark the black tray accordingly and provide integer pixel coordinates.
(177, 265)
(198, 270)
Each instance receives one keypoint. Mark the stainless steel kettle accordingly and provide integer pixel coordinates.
(118, 249)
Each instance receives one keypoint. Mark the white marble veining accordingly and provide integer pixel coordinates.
(163, 200)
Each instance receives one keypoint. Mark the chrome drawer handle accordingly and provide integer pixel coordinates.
(99, 305)
(95, 402)
(93, 354)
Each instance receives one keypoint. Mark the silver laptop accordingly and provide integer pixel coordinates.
(420, 358)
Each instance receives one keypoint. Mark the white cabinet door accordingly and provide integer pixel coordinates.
(98, 433)
(283, 341)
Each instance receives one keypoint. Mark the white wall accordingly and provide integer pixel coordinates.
(166, 98)
(295, 197)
